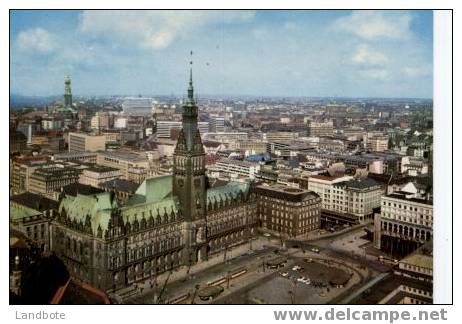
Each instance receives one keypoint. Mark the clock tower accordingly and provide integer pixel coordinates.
(189, 179)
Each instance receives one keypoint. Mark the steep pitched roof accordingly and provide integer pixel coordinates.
(20, 212)
(163, 209)
(231, 189)
(76, 188)
(153, 198)
(98, 207)
(34, 201)
(120, 185)
(152, 190)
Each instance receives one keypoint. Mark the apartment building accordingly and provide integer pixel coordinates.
(376, 142)
(165, 128)
(125, 161)
(288, 211)
(280, 136)
(82, 142)
(96, 175)
(404, 223)
(344, 195)
(236, 168)
(49, 179)
(21, 170)
(320, 129)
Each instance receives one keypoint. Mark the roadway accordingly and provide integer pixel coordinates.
(253, 260)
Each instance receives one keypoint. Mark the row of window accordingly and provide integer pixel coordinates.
(406, 207)
(150, 249)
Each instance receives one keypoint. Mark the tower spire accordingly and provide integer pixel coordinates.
(191, 87)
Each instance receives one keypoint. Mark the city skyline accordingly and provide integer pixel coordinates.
(318, 53)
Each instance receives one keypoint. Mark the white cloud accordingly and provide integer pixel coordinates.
(156, 29)
(371, 25)
(376, 74)
(366, 55)
(36, 40)
(415, 72)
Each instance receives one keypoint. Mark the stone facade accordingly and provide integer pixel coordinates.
(289, 212)
(404, 223)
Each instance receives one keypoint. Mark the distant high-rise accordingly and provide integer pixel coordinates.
(81, 142)
(320, 129)
(217, 125)
(67, 92)
(137, 106)
(165, 127)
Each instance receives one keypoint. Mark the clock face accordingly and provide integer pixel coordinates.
(197, 183)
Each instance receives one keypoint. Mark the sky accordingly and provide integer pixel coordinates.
(260, 53)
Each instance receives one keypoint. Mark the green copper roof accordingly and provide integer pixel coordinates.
(97, 206)
(152, 190)
(163, 208)
(153, 197)
(230, 189)
(17, 213)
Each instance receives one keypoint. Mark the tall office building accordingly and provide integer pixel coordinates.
(279, 136)
(81, 142)
(320, 128)
(101, 120)
(376, 142)
(217, 125)
(137, 106)
(164, 128)
(67, 92)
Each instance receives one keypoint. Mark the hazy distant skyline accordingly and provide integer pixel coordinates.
(259, 53)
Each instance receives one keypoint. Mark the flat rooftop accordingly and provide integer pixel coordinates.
(284, 192)
(407, 198)
(101, 169)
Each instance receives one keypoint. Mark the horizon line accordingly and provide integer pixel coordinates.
(222, 95)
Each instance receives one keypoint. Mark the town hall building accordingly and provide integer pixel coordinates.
(171, 221)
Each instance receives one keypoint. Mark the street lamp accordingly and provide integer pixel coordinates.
(196, 288)
(291, 294)
(154, 285)
(294, 282)
(224, 254)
